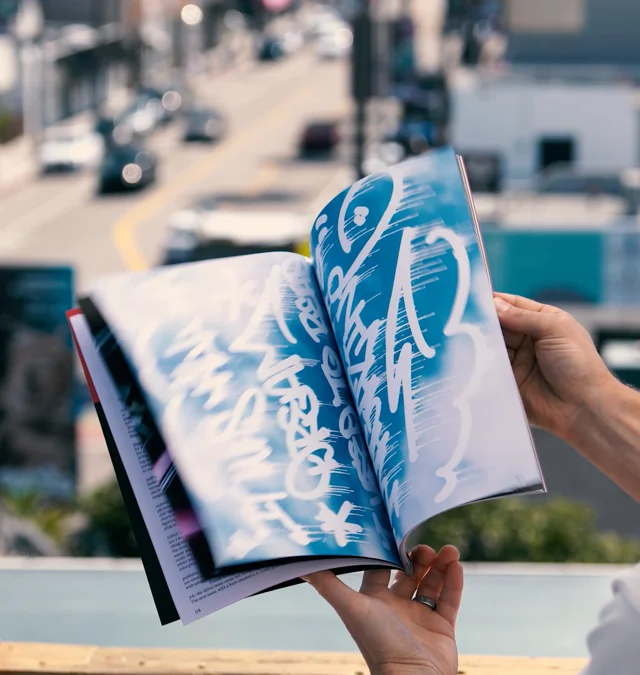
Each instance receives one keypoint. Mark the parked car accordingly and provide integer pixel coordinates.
(204, 124)
(141, 118)
(168, 100)
(319, 137)
(192, 216)
(335, 44)
(222, 234)
(69, 148)
(127, 168)
(271, 49)
(620, 350)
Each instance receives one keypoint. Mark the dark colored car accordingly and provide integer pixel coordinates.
(319, 138)
(126, 168)
(204, 124)
(170, 100)
(271, 49)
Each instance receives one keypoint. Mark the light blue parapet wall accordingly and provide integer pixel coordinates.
(600, 267)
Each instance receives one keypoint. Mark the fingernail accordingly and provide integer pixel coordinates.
(501, 306)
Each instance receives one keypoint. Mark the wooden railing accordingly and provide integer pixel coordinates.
(48, 659)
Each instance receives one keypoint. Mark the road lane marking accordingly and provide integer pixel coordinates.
(262, 179)
(124, 230)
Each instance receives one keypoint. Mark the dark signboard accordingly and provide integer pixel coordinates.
(37, 435)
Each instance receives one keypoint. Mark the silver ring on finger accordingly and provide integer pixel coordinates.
(429, 602)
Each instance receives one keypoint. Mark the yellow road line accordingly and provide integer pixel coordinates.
(263, 178)
(124, 230)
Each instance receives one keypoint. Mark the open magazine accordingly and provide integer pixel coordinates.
(269, 415)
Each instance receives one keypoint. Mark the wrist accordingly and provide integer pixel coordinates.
(595, 412)
(608, 434)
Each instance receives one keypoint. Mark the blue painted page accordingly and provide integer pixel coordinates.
(243, 378)
(401, 269)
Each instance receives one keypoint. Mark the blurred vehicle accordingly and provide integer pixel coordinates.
(167, 101)
(204, 124)
(271, 49)
(69, 148)
(141, 118)
(320, 137)
(318, 19)
(127, 167)
(620, 350)
(335, 44)
(292, 41)
(105, 125)
(221, 234)
(192, 216)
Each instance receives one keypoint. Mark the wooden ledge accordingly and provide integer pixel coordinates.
(18, 658)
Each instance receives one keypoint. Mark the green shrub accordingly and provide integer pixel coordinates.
(49, 518)
(108, 521)
(521, 530)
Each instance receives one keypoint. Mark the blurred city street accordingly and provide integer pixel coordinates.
(463, 177)
(60, 219)
(139, 133)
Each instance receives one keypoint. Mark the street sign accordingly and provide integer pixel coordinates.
(37, 436)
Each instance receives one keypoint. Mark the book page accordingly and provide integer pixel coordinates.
(401, 269)
(192, 596)
(241, 374)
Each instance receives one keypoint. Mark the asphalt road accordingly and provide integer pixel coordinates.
(60, 219)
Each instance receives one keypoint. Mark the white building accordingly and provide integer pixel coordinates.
(589, 126)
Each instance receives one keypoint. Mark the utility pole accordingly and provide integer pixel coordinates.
(96, 57)
(362, 81)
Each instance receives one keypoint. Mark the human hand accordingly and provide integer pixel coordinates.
(556, 365)
(397, 635)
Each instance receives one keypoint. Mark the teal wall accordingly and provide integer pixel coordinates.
(535, 264)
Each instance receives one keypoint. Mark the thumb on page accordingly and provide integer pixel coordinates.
(536, 324)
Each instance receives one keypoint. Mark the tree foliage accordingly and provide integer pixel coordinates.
(523, 530)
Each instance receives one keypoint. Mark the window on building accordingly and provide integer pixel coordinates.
(556, 152)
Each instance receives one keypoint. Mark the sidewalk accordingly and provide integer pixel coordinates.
(18, 163)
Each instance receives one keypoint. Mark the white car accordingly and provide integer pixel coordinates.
(199, 234)
(70, 148)
(335, 44)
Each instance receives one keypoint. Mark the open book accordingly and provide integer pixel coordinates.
(269, 415)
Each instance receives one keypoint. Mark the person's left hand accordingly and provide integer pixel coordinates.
(397, 635)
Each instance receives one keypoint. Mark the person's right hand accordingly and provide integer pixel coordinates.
(556, 365)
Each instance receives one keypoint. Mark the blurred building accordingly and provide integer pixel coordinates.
(71, 56)
(84, 48)
(586, 32)
(532, 123)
